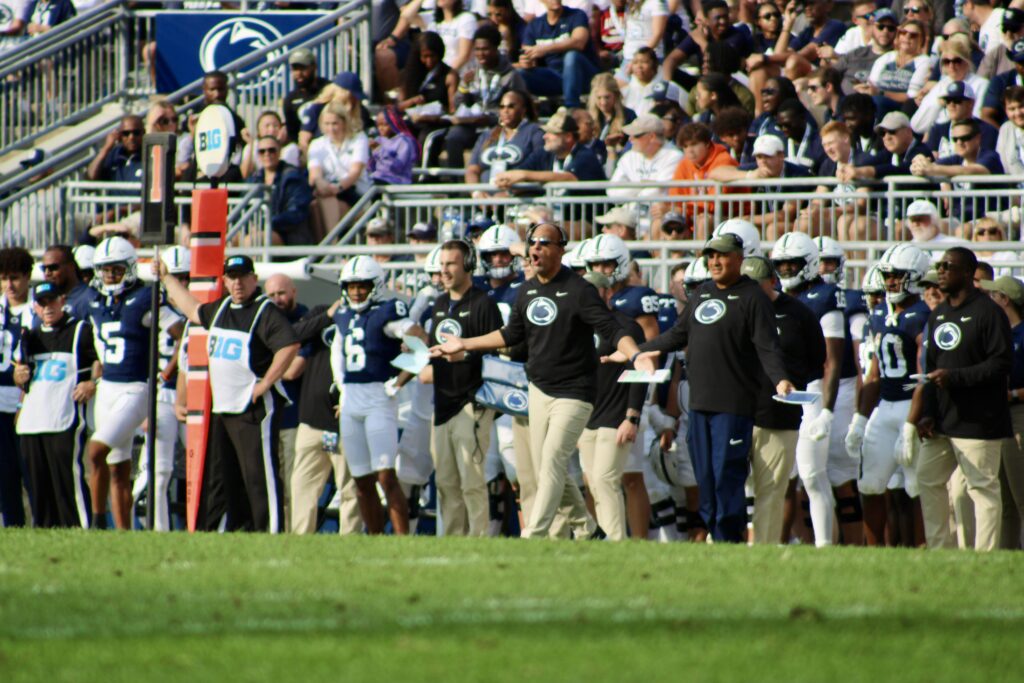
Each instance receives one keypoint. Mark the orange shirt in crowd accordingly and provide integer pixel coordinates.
(687, 170)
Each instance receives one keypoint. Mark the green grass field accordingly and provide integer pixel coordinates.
(81, 606)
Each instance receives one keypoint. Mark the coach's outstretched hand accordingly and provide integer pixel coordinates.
(452, 346)
(647, 361)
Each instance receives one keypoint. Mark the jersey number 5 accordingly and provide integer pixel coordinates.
(355, 354)
(113, 346)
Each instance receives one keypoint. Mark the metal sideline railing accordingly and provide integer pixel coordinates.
(405, 273)
(344, 43)
(846, 212)
(248, 212)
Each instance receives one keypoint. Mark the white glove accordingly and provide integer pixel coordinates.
(391, 387)
(855, 436)
(910, 447)
(819, 428)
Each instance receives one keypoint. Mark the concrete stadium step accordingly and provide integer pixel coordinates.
(61, 138)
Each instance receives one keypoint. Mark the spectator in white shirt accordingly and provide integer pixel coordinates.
(925, 228)
(337, 164)
(648, 161)
(645, 88)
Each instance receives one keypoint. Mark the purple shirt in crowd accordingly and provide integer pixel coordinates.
(392, 161)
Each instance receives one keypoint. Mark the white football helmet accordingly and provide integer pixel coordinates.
(696, 273)
(873, 282)
(84, 255)
(115, 251)
(747, 233)
(829, 248)
(362, 269)
(609, 248)
(793, 246)
(574, 257)
(911, 262)
(433, 263)
(178, 260)
(498, 238)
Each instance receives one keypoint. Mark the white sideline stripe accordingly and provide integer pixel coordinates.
(498, 613)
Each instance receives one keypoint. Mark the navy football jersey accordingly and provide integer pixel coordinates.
(1017, 369)
(11, 324)
(667, 312)
(855, 302)
(121, 337)
(367, 351)
(823, 298)
(636, 301)
(505, 295)
(896, 348)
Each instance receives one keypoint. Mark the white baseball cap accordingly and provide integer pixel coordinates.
(769, 145)
(922, 207)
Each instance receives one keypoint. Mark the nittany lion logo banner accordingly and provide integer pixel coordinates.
(190, 44)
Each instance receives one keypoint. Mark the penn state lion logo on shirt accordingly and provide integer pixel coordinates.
(947, 336)
(710, 311)
(507, 155)
(449, 328)
(542, 311)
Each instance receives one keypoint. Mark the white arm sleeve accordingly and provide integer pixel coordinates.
(337, 370)
(396, 328)
(857, 323)
(833, 325)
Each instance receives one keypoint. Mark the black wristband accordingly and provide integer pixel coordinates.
(634, 419)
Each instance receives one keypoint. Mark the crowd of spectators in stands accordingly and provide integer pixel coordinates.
(643, 93)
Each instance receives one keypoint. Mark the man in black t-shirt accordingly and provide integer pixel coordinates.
(250, 346)
(308, 85)
(317, 442)
(961, 411)
(462, 428)
(729, 331)
(557, 314)
(776, 425)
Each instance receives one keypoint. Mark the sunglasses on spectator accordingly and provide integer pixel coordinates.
(885, 27)
(995, 232)
(268, 150)
(913, 10)
(947, 36)
(954, 100)
(946, 265)
(770, 16)
(541, 242)
(964, 138)
(947, 61)
(131, 131)
(865, 17)
(905, 32)
(769, 91)
(51, 267)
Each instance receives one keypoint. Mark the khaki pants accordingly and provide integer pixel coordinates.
(772, 455)
(459, 447)
(310, 470)
(979, 461)
(555, 427)
(603, 462)
(286, 456)
(572, 512)
(1011, 479)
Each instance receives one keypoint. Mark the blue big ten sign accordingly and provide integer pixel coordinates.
(227, 348)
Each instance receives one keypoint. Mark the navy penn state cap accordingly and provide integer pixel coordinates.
(239, 265)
